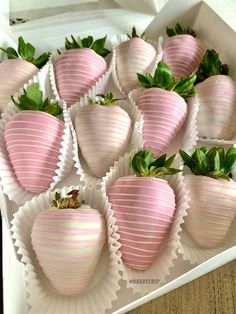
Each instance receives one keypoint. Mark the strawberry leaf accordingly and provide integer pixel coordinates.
(21, 45)
(169, 161)
(34, 93)
(10, 52)
(87, 42)
(184, 87)
(216, 161)
(28, 52)
(142, 166)
(230, 163)
(163, 76)
(29, 104)
(143, 80)
(188, 161)
(98, 47)
(53, 109)
(202, 165)
(41, 60)
(159, 162)
(230, 151)
(170, 32)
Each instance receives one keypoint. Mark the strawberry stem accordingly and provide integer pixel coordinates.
(104, 100)
(26, 52)
(67, 202)
(144, 165)
(163, 78)
(32, 99)
(179, 30)
(135, 35)
(211, 65)
(88, 42)
(213, 162)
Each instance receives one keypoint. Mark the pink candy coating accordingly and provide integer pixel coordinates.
(144, 208)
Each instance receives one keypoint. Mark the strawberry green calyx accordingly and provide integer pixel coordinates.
(88, 42)
(214, 162)
(211, 65)
(32, 99)
(67, 202)
(104, 100)
(179, 30)
(135, 35)
(163, 78)
(144, 165)
(26, 52)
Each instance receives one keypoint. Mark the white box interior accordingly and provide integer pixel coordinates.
(50, 35)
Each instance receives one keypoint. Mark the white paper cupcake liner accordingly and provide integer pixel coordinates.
(164, 261)
(135, 142)
(117, 40)
(9, 182)
(41, 297)
(187, 136)
(52, 78)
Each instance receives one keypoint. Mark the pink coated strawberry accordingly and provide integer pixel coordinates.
(103, 132)
(162, 106)
(79, 67)
(182, 51)
(212, 206)
(144, 207)
(33, 140)
(132, 56)
(216, 93)
(68, 242)
(18, 69)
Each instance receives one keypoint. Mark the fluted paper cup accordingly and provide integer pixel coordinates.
(147, 280)
(10, 183)
(88, 90)
(122, 38)
(41, 296)
(136, 140)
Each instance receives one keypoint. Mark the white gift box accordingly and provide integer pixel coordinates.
(214, 24)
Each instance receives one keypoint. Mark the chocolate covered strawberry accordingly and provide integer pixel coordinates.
(79, 67)
(33, 139)
(103, 132)
(182, 51)
(163, 106)
(68, 239)
(216, 92)
(132, 56)
(144, 206)
(18, 69)
(212, 206)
